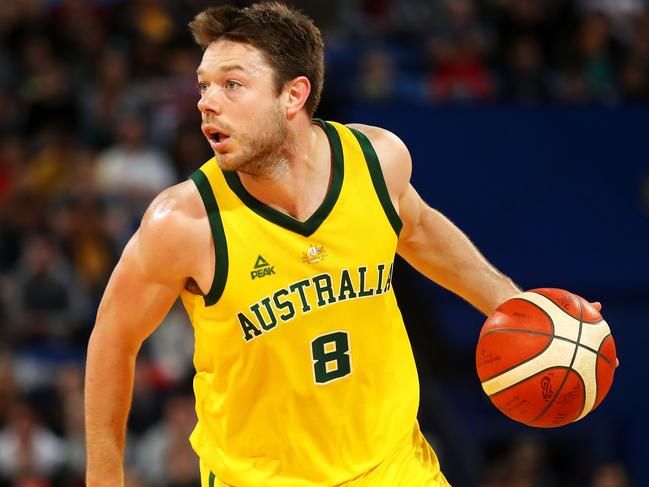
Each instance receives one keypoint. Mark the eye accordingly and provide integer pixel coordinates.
(231, 85)
(202, 87)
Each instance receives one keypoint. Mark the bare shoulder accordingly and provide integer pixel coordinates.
(172, 230)
(176, 205)
(393, 156)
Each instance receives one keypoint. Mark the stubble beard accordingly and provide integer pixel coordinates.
(265, 154)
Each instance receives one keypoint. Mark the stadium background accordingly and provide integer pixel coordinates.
(527, 122)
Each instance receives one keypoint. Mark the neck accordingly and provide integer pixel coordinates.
(295, 179)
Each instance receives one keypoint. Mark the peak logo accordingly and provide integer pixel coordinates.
(261, 269)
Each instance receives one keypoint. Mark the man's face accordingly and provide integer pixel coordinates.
(242, 116)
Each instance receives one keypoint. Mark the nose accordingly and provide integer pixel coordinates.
(208, 102)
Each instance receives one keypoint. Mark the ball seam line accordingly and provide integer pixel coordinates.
(562, 309)
(541, 352)
(534, 332)
(565, 377)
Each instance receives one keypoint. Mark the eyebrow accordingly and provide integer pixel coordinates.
(223, 68)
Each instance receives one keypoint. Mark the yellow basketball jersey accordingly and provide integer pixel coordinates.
(304, 372)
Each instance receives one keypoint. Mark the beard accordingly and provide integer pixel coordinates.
(263, 150)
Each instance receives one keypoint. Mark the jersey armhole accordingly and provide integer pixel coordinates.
(218, 237)
(374, 166)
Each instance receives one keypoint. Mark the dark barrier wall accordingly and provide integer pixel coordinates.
(552, 195)
(555, 197)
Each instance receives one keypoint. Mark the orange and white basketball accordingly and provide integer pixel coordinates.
(546, 357)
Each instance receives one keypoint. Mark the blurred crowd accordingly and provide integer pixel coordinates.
(98, 114)
(482, 51)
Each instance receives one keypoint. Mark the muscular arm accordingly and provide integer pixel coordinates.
(429, 241)
(144, 285)
(434, 246)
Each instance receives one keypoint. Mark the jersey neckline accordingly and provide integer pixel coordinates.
(311, 224)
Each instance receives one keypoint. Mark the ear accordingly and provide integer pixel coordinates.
(297, 92)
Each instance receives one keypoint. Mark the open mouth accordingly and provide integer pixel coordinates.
(215, 136)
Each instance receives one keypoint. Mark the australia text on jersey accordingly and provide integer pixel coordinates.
(329, 289)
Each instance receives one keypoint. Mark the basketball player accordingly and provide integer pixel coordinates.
(281, 248)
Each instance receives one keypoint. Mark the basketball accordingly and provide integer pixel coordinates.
(546, 357)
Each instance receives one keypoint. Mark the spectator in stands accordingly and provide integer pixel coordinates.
(457, 54)
(11, 114)
(634, 69)
(45, 305)
(8, 386)
(459, 72)
(377, 81)
(610, 475)
(87, 242)
(103, 96)
(525, 465)
(163, 455)
(188, 147)
(48, 173)
(69, 395)
(596, 46)
(132, 169)
(12, 155)
(28, 448)
(526, 79)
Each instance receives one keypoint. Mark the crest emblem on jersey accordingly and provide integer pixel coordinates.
(314, 254)
(262, 269)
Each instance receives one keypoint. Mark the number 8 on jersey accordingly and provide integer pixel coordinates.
(331, 358)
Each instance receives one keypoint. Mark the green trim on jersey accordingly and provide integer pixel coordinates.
(376, 174)
(218, 235)
(308, 227)
(211, 479)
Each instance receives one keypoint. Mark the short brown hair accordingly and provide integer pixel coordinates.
(290, 41)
